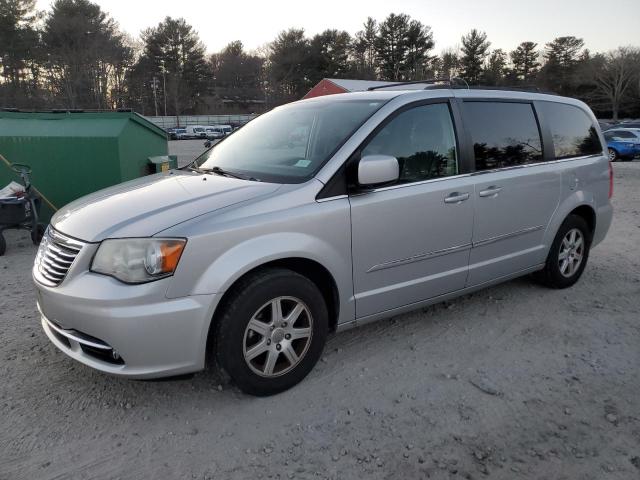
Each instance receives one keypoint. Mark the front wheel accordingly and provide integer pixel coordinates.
(271, 331)
(568, 254)
(613, 155)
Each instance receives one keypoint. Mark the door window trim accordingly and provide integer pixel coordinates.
(335, 188)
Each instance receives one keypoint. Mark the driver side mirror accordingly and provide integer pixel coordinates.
(378, 169)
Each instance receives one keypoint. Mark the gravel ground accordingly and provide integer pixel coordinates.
(186, 150)
(516, 381)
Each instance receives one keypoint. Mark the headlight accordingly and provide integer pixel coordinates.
(138, 260)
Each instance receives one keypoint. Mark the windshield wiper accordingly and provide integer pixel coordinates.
(227, 173)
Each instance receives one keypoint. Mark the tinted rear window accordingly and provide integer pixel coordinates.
(504, 134)
(573, 132)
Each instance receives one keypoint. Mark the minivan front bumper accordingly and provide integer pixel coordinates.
(127, 330)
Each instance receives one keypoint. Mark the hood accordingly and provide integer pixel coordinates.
(147, 205)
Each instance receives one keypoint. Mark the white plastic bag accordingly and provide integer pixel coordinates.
(10, 190)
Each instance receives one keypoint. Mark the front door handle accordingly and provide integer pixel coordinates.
(456, 197)
(492, 191)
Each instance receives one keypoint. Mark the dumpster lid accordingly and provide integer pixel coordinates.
(162, 159)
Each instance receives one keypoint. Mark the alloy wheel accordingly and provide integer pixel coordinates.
(571, 252)
(278, 336)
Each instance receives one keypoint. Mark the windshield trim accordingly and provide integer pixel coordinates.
(286, 179)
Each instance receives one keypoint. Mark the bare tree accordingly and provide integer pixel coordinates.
(614, 74)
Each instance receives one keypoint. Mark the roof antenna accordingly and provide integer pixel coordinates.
(459, 79)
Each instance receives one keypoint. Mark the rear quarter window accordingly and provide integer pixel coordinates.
(572, 131)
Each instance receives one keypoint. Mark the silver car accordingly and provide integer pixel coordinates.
(319, 216)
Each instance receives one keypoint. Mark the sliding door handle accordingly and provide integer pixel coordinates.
(456, 197)
(492, 191)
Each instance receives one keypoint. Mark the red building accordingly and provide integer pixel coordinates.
(330, 86)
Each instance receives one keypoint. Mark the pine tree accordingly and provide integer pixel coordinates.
(525, 61)
(474, 52)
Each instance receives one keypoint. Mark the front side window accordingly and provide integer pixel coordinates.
(573, 132)
(504, 134)
(422, 139)
(290, 143)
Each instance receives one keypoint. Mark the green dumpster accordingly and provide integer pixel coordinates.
(76, 153)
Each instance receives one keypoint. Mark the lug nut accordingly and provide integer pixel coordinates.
(288, 336)
(268, 341)
(278, 347)
(284, 324)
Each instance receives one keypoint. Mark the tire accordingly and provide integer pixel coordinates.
(260, 361)
(3, 244)
(36, 236)
(557, 274)
(613, 155)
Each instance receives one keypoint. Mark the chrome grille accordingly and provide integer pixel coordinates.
(55, 256)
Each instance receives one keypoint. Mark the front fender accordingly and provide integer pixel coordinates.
(253, 252)
(220, 275)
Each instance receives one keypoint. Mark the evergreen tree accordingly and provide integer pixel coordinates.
(172, 58)
(287, 65)
(496, 68)
(84, 47)
(419, 42)
(329, 55)
(563, 56)
(525, 62)
(474, 49)
(363, 50)
(391, 46)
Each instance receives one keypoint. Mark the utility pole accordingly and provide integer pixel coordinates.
(164, 87)
(154, 85)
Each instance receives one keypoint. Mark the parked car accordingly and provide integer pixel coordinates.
(622, 143)
(259, 249)
(195, 131)
(214, 133)
(176, 133)
(226, 129)
(629, 124)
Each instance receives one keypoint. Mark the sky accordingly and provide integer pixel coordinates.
(507, 23)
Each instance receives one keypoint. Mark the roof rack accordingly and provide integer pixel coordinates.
(452, 82)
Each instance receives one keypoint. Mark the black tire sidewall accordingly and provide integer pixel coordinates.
(247, 298)
(552, 268)
(3, 244)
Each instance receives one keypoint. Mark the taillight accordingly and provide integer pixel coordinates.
(610, 180)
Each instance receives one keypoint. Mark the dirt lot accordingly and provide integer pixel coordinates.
(186, 150)
(513, 382)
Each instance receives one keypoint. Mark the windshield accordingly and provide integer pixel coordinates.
(291, 143)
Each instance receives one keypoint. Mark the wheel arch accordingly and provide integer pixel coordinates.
(311, 269)
(588, 214)
(580, 203)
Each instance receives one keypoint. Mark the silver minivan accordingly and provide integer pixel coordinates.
(319, 216)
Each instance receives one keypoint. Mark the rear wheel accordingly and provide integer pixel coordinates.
(568, 254)
(271, 331)
(613, 155)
